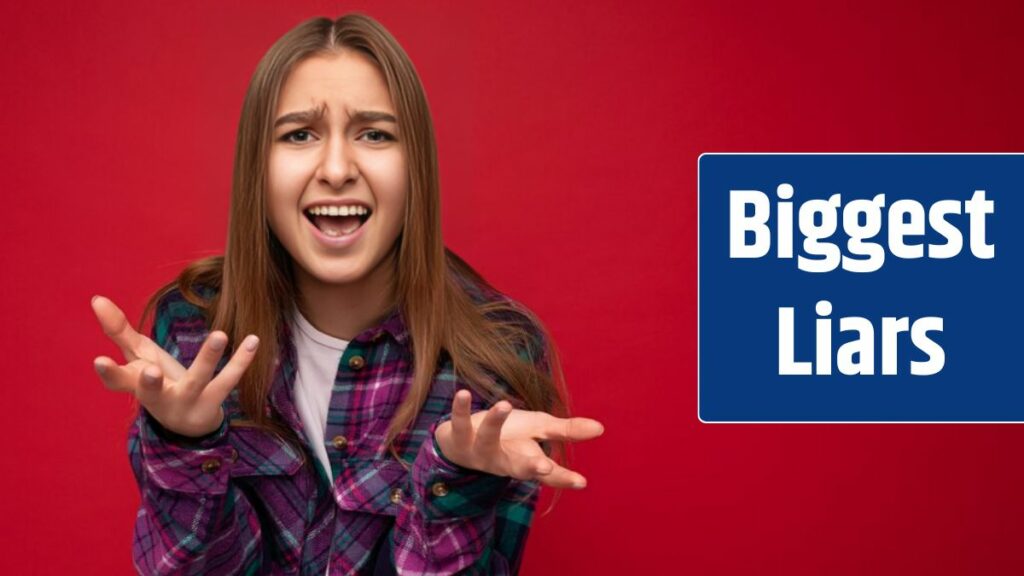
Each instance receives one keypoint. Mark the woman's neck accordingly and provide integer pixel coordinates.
(346, 310)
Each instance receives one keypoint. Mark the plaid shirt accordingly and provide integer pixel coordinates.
(243, 501)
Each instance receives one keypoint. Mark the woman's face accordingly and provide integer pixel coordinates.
(337, 178)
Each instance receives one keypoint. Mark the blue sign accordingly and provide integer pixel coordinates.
(860, 287)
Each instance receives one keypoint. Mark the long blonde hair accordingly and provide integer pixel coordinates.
(254, 279)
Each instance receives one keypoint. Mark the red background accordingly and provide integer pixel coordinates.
(568, 137)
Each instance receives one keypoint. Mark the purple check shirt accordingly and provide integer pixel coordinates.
(243, 501)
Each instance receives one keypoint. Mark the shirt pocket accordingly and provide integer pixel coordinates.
(372, 486)
(260, 453)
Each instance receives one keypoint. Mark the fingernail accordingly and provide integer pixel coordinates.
(95, 296)
(100, 368)
(217, 343)
(251, 341)
(580, 484)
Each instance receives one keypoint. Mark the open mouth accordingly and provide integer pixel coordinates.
(338, 221)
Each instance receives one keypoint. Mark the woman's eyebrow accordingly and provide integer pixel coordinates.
(312, 115)
(301, 117)
(373, 116)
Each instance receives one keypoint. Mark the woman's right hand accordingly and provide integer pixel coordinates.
(188, 401)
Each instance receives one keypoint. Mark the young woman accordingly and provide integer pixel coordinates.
(385, 409)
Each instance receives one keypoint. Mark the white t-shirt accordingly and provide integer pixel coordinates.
(318, 356)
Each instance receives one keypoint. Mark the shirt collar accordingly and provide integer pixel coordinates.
(393, 324)
(284, 374)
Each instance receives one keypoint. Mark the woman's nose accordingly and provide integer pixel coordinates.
(338, 164)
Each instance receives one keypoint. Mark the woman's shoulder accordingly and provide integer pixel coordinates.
(496, 305)
(512, 320)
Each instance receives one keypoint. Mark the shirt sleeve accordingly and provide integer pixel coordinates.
(192, 519)
(461, 520)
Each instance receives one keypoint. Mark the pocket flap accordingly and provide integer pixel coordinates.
(374, 486)
(261, 453)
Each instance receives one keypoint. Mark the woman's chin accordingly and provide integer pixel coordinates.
(340, 277)
(339, 274)
(356, 267)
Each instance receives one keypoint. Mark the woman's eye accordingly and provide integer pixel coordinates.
(297, 137)
(303, 136)
(378, 136)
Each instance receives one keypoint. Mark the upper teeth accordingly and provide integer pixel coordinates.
(338, 211)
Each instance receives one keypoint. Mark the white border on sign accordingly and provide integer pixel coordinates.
(701, 155)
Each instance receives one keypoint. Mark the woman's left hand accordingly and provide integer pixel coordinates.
(504, 441)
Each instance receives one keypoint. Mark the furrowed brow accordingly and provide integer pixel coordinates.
(301, 117)
(312, 115)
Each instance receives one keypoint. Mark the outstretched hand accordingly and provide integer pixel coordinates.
(186, 401)
(504, 441)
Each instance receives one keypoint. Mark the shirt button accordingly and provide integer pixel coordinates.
(234, 455)
(396, 495)
(356, 362)
(212, 465)
(340, 442)
(439, 489)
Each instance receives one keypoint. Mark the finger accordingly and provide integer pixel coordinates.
(201, 370)
(526, 460)
(133, 344)
(562, 477)
(529, 468)
(219, 388)
(150, 384)
(116, 326)
(573, 429)
(462, 424)
(152, 351)
(114, 377)
(488, 435)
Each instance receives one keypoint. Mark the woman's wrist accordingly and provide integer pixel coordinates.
(182, 439)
